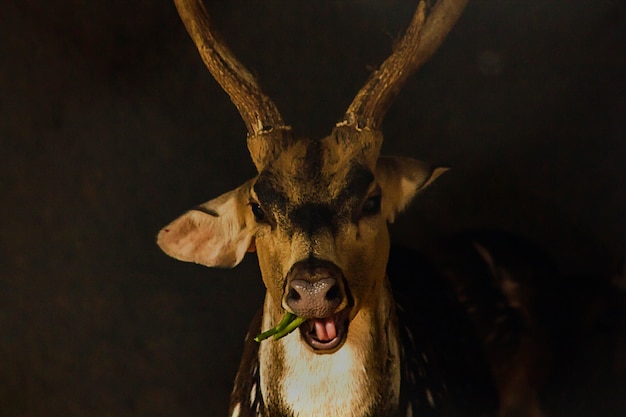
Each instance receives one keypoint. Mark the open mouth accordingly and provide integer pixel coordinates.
(326, 334)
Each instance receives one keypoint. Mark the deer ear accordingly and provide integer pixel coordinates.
(400, 179)
(216, 234)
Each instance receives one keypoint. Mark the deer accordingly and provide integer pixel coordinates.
(375, 340)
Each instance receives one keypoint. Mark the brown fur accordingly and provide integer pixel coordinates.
(328, 200)
(337, 175)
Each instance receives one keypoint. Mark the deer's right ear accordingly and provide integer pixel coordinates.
(216, 234)
(400, 179)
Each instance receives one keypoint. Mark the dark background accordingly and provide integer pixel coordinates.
(110, 127)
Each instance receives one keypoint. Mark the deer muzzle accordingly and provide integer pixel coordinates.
(315, 291)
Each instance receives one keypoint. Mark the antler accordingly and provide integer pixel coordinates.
(421, 40)
(258, 111)
(266, 128)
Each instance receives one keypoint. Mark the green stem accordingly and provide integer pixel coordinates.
(288, 324)
(288, 318)
(265, 334)
(289, 328)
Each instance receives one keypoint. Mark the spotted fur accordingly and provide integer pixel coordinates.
(441, 370)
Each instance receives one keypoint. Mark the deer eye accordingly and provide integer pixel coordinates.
(258, 212)
(371, 206)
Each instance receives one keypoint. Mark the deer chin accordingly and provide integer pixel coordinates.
(326, 335)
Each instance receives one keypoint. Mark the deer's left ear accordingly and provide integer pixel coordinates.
(216, 234)
(400, 179)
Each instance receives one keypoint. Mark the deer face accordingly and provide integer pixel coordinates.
(317, 211)
(317, 216)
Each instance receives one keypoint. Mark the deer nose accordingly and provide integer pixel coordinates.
(313, 299)
(314, 291)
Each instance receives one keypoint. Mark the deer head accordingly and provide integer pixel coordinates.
(317, 211)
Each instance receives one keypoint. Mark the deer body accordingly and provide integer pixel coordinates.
(316, 215)
(418, 360)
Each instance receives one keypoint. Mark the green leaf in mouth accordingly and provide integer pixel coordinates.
(288, 324)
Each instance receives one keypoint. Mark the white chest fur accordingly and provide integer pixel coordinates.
(347, 383)
(325, 385)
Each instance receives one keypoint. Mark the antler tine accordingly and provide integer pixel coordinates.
(258, 111)
(421, 40)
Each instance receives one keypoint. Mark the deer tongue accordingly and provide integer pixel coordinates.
(325, 329)
(326, 334)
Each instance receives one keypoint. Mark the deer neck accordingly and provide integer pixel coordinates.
(362, 378)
